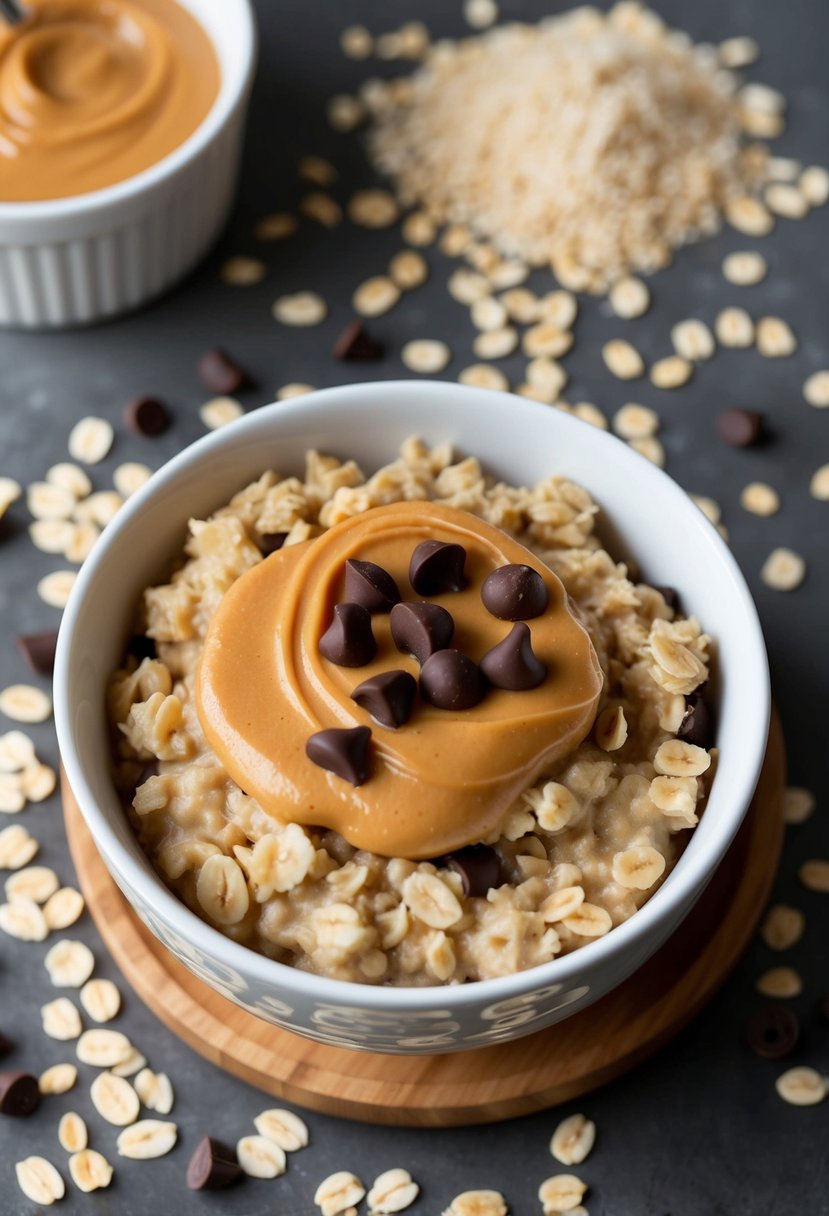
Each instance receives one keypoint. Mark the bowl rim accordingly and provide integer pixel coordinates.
(684, 883)
(232, 88)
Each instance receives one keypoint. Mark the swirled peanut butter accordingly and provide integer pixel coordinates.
(447, 777)
(94, 91)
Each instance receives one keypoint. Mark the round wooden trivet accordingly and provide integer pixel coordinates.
(488, 1083)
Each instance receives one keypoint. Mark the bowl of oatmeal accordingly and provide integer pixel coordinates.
(418, 736)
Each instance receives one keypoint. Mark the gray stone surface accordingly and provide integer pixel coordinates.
(699, 1129)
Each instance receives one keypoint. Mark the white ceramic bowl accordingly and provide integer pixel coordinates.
(73, 261)
(520, 441)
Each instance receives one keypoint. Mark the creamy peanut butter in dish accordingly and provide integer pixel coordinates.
(94, 91)
(411, 729)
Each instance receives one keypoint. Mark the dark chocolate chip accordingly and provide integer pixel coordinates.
(437, 566)
(146, 416)
(512, 664)
(212, 1165)
(388, 697)
(270, 542)
(343, 752)
(669, 594)
(142, 647)
(514, 593)
(221, 374)
(450, 680)
(38, 649)
(479, 867)
(420, 629)
(697, 725)
(773, 1031)
(348, 640)
(740, 428)
(19, 1093)
(355, 344)
(6, 1045)
(370, 585)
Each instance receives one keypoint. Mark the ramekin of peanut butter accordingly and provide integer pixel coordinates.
(113, 115)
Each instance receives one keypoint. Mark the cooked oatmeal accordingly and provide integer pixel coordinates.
(575, 853)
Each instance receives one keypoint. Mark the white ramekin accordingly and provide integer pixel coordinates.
(73, 261)
(651, 519)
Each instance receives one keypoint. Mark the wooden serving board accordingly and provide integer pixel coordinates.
(488, 1083)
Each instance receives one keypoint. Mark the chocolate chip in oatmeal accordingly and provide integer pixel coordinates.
(773, 1031)
(341, 751)
(355, 344)
(450, 680)
(512, 664)
(420, 629)
(479, 867)
(19, 1093)
(348, 640)
(514, 593)
(388, 697)
(212, 1165)
(697, 725)
(270, 542)
(740, 428)
(368, 584)
(146, 416)
(38, 649)
(437, 566)
(221, 374)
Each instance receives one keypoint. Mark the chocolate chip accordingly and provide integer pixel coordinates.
(740, 428)
(142, 647)
(19, 1093)
(773, 1031)
(218, 372)
(355, 344)
(697, 725)
(270, 542)
(515, 593)
(388, 697)
(38, 649)
(479, 868)
(420, 629)
(348, 640)
(437, 566)
(370, 585)
(146, 416)
(212, 1165)
(512, 664)
(343, 752)
(6, 1045)
(669, 594)
(450, 680)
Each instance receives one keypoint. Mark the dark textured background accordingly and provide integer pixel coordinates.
(699, 1129)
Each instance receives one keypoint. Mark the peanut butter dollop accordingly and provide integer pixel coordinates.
(94, 91)
(446, 778)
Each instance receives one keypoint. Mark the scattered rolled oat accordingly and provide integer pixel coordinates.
(545, 374)
(10, 491)
(72, 1133)
(295, 389)
(146, 1139)
(39, 1180)
(275, 227)
(814, 875)
(749, 216)
(338, 1192)
(155, 1091)
(375, 296)
(814, 182)
(693, 340)
(219, 411)
(488, 313)
(36, 883)
(58, 1079)
(774, 338)
(418, 228)
(783, 982)
(629, 297)
(651, 449)
(46, 501)
(373, 208)
(801, 1086)
(477, 1203)
(321, 208)
(392, 1191)
(782, 927)
(559, 307)
(816, 390)
(242, 271)
(496, 343)
(17, 847)
(317, 170)
(561, 1193)
(90, 440)
(590, 413)
(426, 355)
(17, 751)
(130, 477)
(738, 52)
(798, 804)
(23, 920)
(63, 908)
(745, 269)
(114, 1099)
(61, 1020)
(786, 200)
(467, 286)
(760, 499)
(69, 965)
(103, 1048)
(819, 484)
(283, 1127)
(479, 14)
(573, 1140)
(783, 570)
(709, 507)
(101, 1000)
(483, 375)
(301, 309)
(408, 269)
(52, 535)
(623, 360)
(356, 42)
(90, 1170)
(671, 372)
(345, 113)
(55, 588)
(25, 703)
(635, 422)
(260, 1157)
(734, 327)
(132, 1063)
